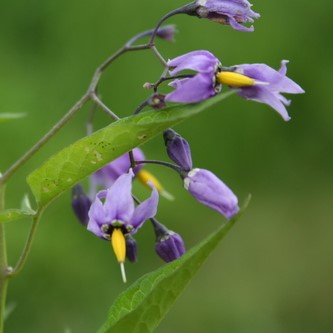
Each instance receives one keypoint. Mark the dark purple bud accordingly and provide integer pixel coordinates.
(81, 204)
(131, 248)
(169, 245)
(178, 149)
(167, 32)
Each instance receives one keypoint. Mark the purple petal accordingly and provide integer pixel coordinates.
(96, 217)
(192, 90)
(119, 203)
(263, 95)
(201, 61)
(146, 210)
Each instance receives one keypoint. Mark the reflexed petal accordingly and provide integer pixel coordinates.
(192, 90)
(201, 61)
(263, 95)
(146, 210)
(96, 217)
(119, 203)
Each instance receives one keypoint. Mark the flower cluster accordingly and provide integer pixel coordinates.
(111, 211)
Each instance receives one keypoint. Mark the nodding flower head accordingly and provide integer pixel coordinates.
(116, 216)
(211, 191)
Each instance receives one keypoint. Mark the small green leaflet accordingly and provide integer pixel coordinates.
(85, 156)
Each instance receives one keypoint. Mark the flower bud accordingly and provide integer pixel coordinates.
(211, 191)
(167, 32)
(81, 204)
(169, 245)
(178, 149)
(131, 248)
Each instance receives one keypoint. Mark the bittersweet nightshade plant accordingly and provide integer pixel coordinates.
(111, 159)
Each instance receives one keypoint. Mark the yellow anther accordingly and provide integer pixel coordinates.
(233, 79)
(145, 177)
(119, 247)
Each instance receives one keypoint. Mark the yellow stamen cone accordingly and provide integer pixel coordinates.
(233, 79)
(119, 247)
(145, 177)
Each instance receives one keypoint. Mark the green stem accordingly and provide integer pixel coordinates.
(3, 264)
(54, 130)
(24, 255)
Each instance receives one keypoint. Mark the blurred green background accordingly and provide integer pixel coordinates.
(274, 272)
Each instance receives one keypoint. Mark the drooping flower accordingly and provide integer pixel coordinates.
(228, 12)
(211, 191)
(268, 86)
(169, 245)
(107, 175)
(178, 149)
(117, 216)
(201, 85)
(81, 204)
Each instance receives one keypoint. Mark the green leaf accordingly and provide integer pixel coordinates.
(89, 154)
(13, 214)
(10, 116)
(141, 307)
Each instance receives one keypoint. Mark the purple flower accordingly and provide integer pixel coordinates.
(269, 86)
(169, 245)
(117, 216)
(118, 210)
(107, 175)
(211, 191)
(229, 12)
(199, 86)
(178, 149)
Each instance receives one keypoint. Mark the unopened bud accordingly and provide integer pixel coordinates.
(178, 149)
(81, 204)
(131, 248)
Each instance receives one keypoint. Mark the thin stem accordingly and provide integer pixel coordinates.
(99, 102)
(3, 264)
(26, 250)
(166, 164)
(187, 9)
(60, 124)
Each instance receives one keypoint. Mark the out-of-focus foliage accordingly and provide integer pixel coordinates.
(282, 282)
